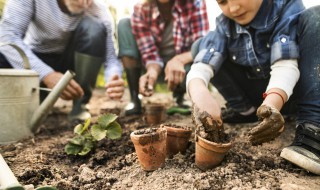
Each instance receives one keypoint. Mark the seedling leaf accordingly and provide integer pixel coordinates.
(77, 140)
(106, 119)
(87, 136)
(78, 129)
(114, 130)
(98, 132)
(72, 149)
(88, 146)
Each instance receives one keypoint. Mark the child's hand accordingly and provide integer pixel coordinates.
(271, 126)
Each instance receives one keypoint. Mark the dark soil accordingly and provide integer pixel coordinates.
(41, 160)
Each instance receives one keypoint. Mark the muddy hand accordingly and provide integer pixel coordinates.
(272, 125)
(206, 126)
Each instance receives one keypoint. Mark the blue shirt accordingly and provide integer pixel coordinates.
(269, 37)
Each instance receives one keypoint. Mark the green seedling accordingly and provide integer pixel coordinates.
(88, 135)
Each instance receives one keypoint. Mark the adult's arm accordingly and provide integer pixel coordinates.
(16, 18)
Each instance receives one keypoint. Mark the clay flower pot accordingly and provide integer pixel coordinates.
(150, 146)
(210, 154)
(177, 139)
(154, 113)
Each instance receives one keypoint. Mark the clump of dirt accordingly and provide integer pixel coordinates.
(209, 128)
(146, 131)
(173, 125)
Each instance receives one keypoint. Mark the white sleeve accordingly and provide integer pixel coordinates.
(201, 71)
(284, 75)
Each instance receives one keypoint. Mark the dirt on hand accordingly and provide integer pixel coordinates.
(207, 127)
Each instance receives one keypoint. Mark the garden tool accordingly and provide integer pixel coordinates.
(20, 112)
(86, 68)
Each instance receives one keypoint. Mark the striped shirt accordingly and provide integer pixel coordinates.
(190, 22)
(41, 26)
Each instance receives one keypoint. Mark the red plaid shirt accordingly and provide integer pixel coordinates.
(190, 22)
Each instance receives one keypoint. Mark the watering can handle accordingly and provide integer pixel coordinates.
(21, 52)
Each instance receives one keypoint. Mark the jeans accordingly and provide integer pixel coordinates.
(241, 90)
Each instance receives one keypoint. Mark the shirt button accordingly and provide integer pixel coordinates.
(234, 57)
(268, 45)
(258, 69)
(211, 50)
(283, 40)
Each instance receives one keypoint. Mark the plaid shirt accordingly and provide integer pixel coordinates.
(190, 22)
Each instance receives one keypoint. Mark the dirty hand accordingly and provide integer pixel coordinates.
(272, 125)
(77, 6)
(72, 91)
(148, 80)
(174, 73)
(206, 126)
(115, 87)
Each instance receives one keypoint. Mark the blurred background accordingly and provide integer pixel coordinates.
(124, 8)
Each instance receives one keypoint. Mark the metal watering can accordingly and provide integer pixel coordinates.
(20, 112)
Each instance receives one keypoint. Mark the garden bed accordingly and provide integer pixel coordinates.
(41, 160)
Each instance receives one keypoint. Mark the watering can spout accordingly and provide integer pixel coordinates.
(42, 111)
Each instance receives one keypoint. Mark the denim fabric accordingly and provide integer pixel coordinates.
(271, 36)
(241, 91)
(308, 87)
(89, 38)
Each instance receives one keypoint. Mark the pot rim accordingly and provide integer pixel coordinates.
(179, 132)
(223, 147)
(159, 135)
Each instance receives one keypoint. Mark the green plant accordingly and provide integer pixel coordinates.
(88, 135)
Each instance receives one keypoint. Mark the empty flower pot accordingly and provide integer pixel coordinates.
(210, 154)
(177, 139)
(154, 113)
(150, 146)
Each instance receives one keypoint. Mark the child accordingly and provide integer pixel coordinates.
(262, 53)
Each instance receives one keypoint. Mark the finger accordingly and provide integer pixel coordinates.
(116, 83)
(65, 95)
(255, 141)
(260, 128)
(264, 111)
(77, 88)
(116, 95)
(268, 132)
(115, 90)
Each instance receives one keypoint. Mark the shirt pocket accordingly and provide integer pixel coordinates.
(238, 55)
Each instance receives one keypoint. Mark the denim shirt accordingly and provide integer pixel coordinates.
(269, 37)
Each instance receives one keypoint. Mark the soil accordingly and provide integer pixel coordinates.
(41, 160)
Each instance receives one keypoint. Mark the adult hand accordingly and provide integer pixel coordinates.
(272, 125)
(115, 87)
(72, 91)
(148, 80)
(77, 6)
(174, 73)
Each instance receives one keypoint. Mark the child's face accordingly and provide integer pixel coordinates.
(241, 11)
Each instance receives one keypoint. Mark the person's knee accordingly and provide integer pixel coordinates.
(124, 25)
(126, 40)
(92, 29)
(310, 15)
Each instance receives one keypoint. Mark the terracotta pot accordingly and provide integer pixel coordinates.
(154, 113)
(210, 154)
(177, 139)
(150, 147)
